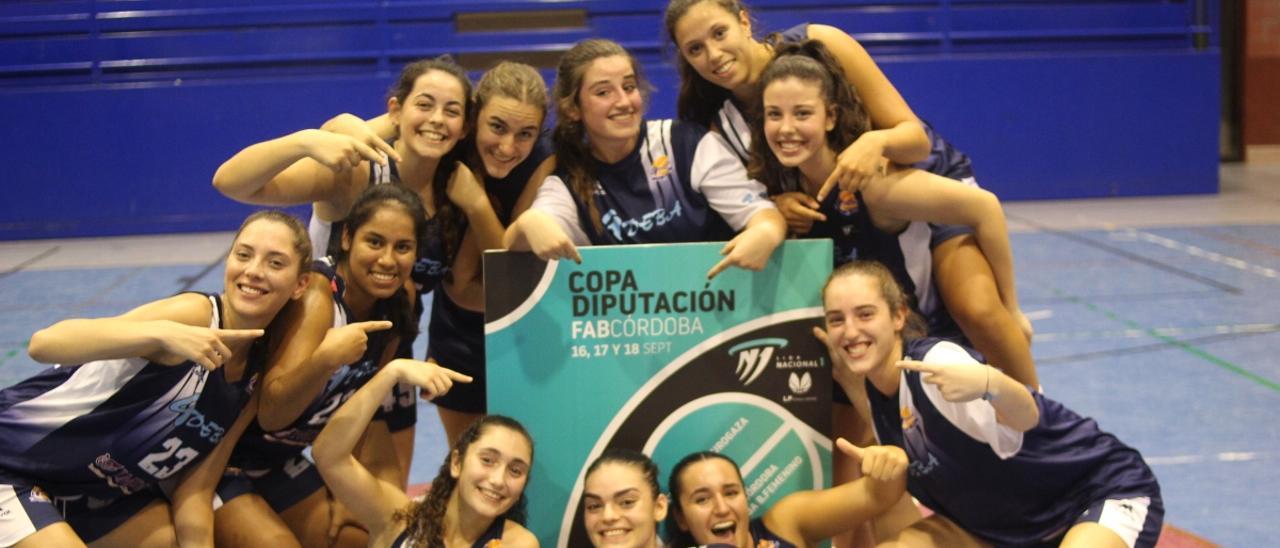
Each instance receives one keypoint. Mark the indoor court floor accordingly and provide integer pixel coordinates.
(1153, 315)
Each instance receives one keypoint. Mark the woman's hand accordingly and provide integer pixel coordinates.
(857, 165)
(352, 126)
(346, 344)
(434, 380)
(209, 348)
(751, 248)
(958, 382)
(542, 235)
(879, 462)
(800, 210)
(336, 151)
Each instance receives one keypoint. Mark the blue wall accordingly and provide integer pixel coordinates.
(117, 112)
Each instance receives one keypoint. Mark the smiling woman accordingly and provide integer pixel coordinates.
(622, 503)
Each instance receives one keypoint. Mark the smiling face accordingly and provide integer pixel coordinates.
(263, 271)
(380, 253)
(621, 508)
(861, 325)
(431, 118)
(506, 131)
(609, 103)
(717, 44)
(492, 474)
(796, 122)
(713, 503)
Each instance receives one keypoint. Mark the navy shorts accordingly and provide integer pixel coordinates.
(281, 487)
(25, 508)
(456, 341)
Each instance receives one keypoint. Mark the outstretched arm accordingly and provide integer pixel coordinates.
(311, 165)
(968, 381)
(168, 331)
(372, 500)
(814, 516)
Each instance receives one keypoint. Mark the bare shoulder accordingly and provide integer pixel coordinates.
(187, 308)
(515, 535)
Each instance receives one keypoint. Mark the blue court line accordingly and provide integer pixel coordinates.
(1182, 345)
(190, 281)
(1132, 256)
(18, 267)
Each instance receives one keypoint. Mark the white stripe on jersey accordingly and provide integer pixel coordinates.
(918, 260)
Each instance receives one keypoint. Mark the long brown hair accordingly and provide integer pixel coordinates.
(810, 62)
(425, 520)
(573, 153)
(675, 535)
(372, 200)
(450, 216)
(699, 100)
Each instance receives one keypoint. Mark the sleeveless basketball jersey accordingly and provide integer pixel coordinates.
(647, 197)
(504, 192)
(764, 538)
(492, 537)
(431, 266)
(114, 427)
(260, 450)
(1006, 487)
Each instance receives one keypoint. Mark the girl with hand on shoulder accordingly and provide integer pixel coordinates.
(158, 394)
(721, 65)
(508, 150)
(427, 107)
(998, 463)
(620, 179)
(275, 495)
(622, 504)
(709, 502)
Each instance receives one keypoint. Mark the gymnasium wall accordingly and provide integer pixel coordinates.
(117, 112)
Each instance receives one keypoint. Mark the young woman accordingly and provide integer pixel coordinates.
(998, 463)
(620, 179)
(720, 66)
(709, 503)
(428, 107)
(477, 498)
(275, 494)
(621, 501)
(809, 115)
(142, 398)
(508, 150)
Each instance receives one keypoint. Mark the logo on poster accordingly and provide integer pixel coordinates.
(753, 357)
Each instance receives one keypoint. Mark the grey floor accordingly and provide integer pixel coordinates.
(1156, 316)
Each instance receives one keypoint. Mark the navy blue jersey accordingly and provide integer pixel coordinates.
(680, 184)
(764, 538)
(114, 427)
(1004, 486)
(492, 537)
(261, 450)
(504, 192)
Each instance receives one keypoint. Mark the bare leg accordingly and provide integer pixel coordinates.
(1091, 535)
(968, 287)
(150, 528)
(248, 521)
(58, 534)
(933, 532)
(455, 422)
(311, 520)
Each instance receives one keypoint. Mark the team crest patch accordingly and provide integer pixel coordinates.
(661, 167)
(37, 495)
(908, 418)
(848, 203)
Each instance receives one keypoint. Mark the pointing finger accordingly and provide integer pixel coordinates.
(849, 448)
(371, 326)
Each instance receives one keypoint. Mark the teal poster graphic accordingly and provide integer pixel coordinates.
(636, 348)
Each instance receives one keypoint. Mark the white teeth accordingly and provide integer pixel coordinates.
(251, 290)
(723, 69)
(432, 135)
(722, 528)
(614, 532)
(382, 276)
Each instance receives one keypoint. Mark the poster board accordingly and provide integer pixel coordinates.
(636, 348)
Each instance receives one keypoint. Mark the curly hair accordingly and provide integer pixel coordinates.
(810, 62)
(425, 520)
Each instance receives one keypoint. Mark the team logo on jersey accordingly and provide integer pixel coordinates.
(37, 495)
(753, 357)
(848, 203)
(661, 167)
(908, 418)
